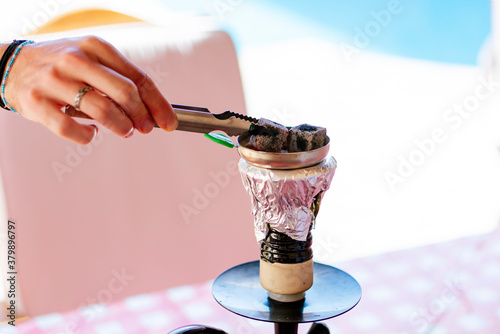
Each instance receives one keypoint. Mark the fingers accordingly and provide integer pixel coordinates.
(103, 110)
(94, 104)
(118, 88)
(158, 107)
(72, 112)
(62, 125)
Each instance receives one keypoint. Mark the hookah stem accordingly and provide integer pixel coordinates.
(286, 328)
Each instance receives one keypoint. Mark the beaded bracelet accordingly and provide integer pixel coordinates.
(6, 74)
(5, 58)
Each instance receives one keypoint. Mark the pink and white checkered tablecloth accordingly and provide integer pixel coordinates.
(448, 288)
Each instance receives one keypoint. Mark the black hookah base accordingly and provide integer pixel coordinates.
(333, 293)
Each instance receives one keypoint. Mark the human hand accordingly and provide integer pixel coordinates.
(46, 77)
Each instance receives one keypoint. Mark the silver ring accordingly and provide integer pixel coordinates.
(79, 96)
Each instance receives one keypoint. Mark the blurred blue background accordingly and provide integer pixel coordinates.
(444, 31)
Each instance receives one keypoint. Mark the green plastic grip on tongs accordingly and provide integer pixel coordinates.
(219, 138)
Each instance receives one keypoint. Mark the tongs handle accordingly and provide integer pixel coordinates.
(197, 119)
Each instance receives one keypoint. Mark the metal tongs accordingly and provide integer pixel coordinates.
(199, 119)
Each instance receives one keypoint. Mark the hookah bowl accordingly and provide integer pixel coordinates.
(285, 204)
(285, 286)
(286, 190)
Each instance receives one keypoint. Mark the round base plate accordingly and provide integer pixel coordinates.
(333, 293)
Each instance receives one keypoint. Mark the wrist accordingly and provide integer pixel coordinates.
(6, 63)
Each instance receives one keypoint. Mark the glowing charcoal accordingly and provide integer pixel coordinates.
(306, 137)
(268, 136)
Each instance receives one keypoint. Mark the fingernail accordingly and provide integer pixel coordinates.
(96, 130)
(130, 133)
(173, 122)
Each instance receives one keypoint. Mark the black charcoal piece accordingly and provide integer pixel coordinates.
(306, 137)
(268, 136)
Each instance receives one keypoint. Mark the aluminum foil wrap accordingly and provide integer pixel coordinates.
(286, 200)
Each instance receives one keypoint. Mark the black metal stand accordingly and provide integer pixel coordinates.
(333, 293)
